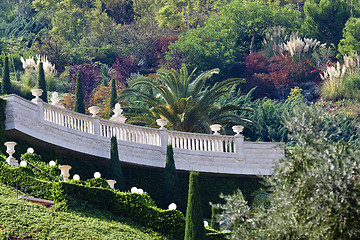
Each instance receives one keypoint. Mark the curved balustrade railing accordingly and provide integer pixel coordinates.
(87, 135)
(67, 118)
(130, 133)
(202, 142)
(137, 134)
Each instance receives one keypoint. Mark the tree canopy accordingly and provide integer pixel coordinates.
(183, 100)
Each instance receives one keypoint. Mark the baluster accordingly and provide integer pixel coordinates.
(181, 141)
(185, 141)
(188, 138)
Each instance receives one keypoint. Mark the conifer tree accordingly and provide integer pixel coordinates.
(79, 94)
(115, 166)
(6, 85)
(194, 226)
(42, 82)
(214, 224)
(113, 94)
(171, 192)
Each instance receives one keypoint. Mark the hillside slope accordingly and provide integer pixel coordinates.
(20, 219)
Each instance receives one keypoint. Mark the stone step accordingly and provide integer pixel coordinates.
(44, 202)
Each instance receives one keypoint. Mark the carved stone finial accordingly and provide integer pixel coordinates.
(118, 116)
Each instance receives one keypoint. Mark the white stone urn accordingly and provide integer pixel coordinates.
(65, 171)
(94, 110)
(118, 117)
(55, 100)
(111, 183)
(238, 129)
(161, 122)
(215, 128)
(36, 93)
(10, 149)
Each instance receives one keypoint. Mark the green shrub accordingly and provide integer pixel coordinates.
(68, 195)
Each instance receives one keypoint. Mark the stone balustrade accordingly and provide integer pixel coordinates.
(90, 135)
(67, 118)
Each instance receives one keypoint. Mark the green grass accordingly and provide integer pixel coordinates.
(20, 219)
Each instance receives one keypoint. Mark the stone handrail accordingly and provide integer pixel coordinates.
(130, 133)
(68, 118)
(202, 142)
(137, 134)
(66, 130)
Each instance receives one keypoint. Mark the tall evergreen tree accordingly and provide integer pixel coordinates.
(115, 166)
(113, 94)
(42, 82)
(171, 192)
(6, 85)
(194, 225)
(214, 224)
(79, 94)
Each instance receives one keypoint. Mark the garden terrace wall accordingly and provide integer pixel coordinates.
(139, 145)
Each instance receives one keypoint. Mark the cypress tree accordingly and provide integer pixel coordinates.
(113, 94)
(194, 225)
(79, 94)
(6, 85)
(42, 82)
(171, 192)
(115, 166)
(214, 224)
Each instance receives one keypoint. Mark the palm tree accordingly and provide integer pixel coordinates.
(182, 99)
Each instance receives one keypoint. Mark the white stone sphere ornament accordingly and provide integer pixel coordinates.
(36, 93)
(172, 206)
(97, 175)
(23, 163)
(137, 190)
(76, 177)
(52, 163)
(30, 150)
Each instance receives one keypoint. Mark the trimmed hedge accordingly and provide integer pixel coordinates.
(139, 208)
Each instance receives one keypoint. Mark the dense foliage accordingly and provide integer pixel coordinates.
(183, 100)
(314, 191)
